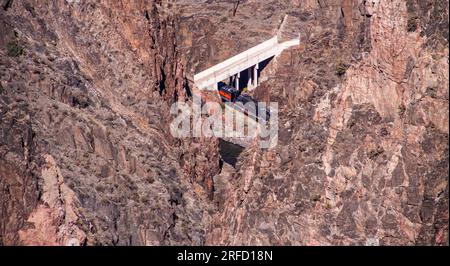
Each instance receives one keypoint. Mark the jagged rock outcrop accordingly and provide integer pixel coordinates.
(86, 153)
(363, 135)
(86, 157)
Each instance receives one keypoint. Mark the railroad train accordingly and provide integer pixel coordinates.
(230, 94)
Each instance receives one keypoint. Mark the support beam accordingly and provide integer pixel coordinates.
(238, 75)
(249, 82)
(255, 75)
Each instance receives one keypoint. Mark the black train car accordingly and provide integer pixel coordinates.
(256, 111)
(227, 93)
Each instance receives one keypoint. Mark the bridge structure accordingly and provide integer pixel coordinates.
(248, 60)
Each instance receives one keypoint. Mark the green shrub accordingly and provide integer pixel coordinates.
(315, 197)
(341, 68)
(14, 49)
(401, 109)
(100, 188)
(150, 179)
(412, 24)
(374, 153)
(30, 9)
(145, 199)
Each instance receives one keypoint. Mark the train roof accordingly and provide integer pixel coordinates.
(228, 88)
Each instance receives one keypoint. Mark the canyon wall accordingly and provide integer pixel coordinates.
(86, 154)
(86, 157)
(363, 141)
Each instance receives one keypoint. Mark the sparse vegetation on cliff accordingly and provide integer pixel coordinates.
(361, 154)
(341, 68)
(14, 49)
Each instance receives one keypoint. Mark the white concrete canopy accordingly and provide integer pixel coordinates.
(207, 79)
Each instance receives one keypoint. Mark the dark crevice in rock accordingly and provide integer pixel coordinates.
(7, 4)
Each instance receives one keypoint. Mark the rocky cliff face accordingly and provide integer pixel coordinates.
(86, 156)
(363, 149)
